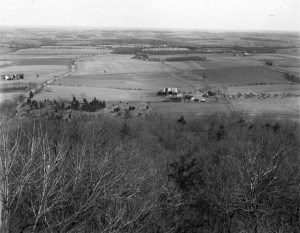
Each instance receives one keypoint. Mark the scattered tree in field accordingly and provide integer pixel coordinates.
(75, 104)
(31, 94)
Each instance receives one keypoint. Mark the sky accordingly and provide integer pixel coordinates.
(283, 15)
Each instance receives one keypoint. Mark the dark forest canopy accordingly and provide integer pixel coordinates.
(219, 173)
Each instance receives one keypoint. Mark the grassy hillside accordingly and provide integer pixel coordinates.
(219, 173)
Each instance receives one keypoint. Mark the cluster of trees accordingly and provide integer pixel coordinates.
(92, 106)
(292, 78)
(220, 173)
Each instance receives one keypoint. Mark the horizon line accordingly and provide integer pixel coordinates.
(146, 28)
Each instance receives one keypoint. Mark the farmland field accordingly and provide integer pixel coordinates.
(215, 61)
(41, 61)
(282, 62)
(225, 61)
(243, 75)
(98, 71)
(115, 73)
(113, 64)
(145, 81)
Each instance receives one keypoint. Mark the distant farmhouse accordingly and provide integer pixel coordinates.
(12, 76)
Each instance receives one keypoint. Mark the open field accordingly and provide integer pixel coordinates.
(55, 92)
(57, 50)
(45, 72)
(285, 108)
(188, 109)
(226, 61)
(243, 75)
(144, 81)
(10, 95)
(113, 64)
(185, 65)
(41, 61)
(282, 62)
(216, 61)
(272, 89)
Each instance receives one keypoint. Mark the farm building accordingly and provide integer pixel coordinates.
(5, 77)
(171, 90)
(12, 77)
(19, 76)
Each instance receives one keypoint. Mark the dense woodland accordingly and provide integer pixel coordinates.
(220, 173)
